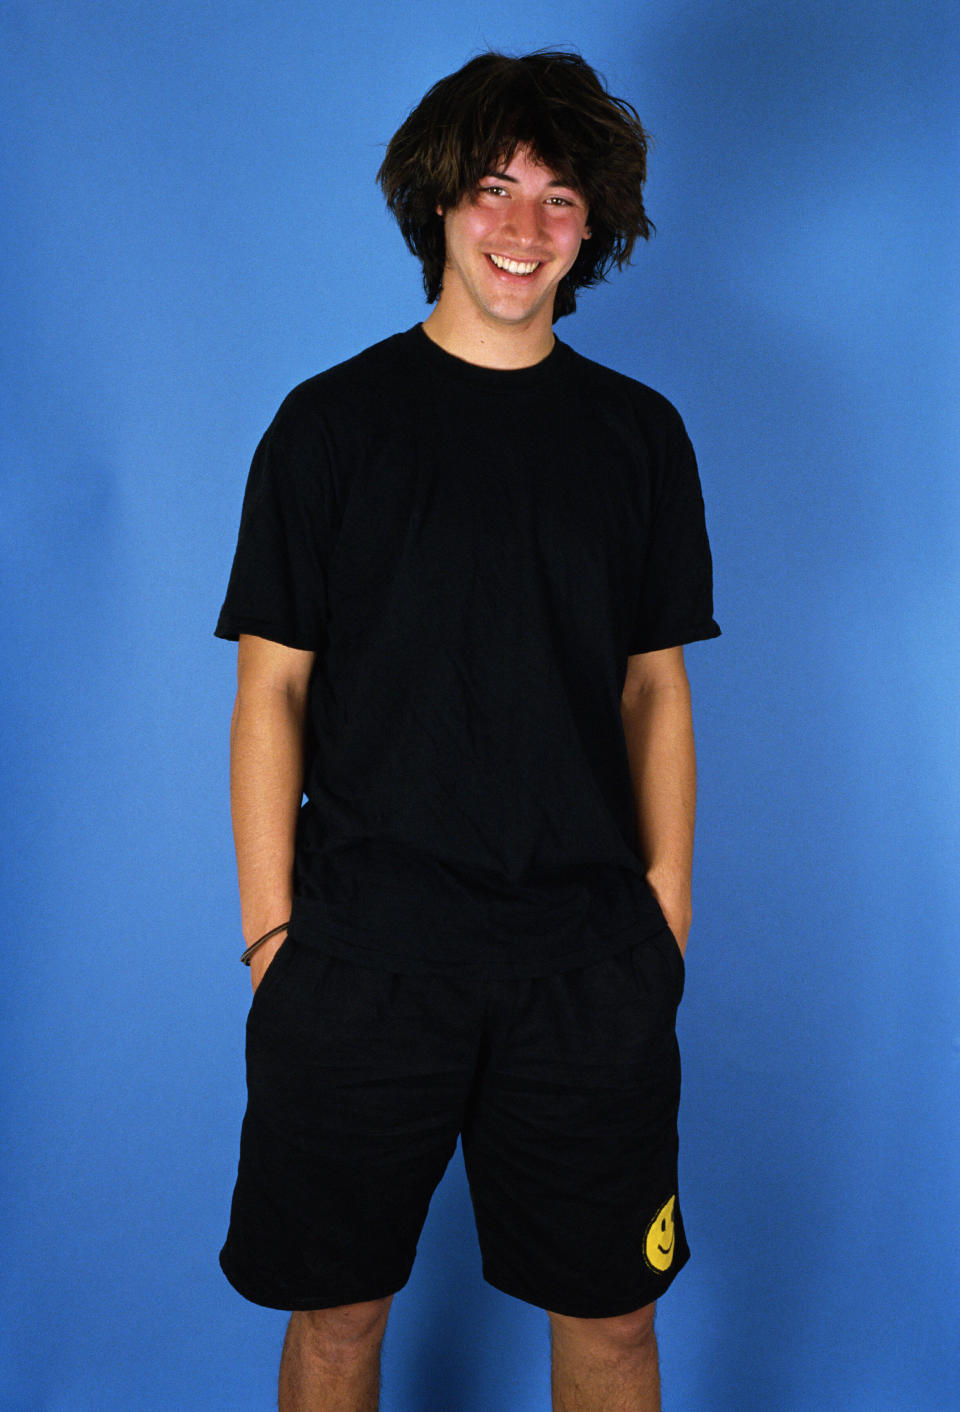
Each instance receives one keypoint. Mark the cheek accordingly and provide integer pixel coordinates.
(574, 247)
(570, 237)
(467, 229)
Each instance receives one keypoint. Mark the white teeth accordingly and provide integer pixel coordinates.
(515, 267)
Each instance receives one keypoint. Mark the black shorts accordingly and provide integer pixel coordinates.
(564, 1089)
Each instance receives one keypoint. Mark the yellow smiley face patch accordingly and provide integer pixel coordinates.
(660, 1241)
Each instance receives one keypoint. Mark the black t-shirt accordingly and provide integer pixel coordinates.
(472, 553)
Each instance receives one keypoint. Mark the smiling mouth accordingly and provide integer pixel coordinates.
(514, 267)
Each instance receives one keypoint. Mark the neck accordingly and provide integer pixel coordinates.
(486, 342)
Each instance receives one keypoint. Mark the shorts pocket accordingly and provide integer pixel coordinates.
(658, 965)
(274, 971)
(672, 947)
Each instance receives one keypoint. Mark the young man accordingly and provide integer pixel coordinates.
(468, 562)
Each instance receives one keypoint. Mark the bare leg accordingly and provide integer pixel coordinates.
(605, 1365)
(331, 1359)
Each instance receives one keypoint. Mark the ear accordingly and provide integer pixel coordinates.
(587, 232)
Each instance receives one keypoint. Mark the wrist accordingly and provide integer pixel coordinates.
(675, 903)
(254, 947)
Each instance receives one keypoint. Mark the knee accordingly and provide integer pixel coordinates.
(344, 1329)
(624, 1333)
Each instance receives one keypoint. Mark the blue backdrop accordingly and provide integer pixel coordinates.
(192, 227)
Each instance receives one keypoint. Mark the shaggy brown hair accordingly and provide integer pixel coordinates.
(473, 121)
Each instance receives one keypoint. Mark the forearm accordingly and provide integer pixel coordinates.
(266, 788)
(658, 728)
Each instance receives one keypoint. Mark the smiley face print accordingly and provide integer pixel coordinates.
(661, 1240)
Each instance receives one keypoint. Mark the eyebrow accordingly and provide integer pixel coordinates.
(504, 176)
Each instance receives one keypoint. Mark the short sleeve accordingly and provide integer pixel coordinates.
(278, 582)
(676, 600)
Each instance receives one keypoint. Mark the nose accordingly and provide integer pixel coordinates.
(524, 222)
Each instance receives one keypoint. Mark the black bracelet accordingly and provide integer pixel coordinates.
(245, 958)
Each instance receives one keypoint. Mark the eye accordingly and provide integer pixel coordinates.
(493, 190)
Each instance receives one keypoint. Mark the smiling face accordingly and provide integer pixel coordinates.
(508, 245)
(661, 1238)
